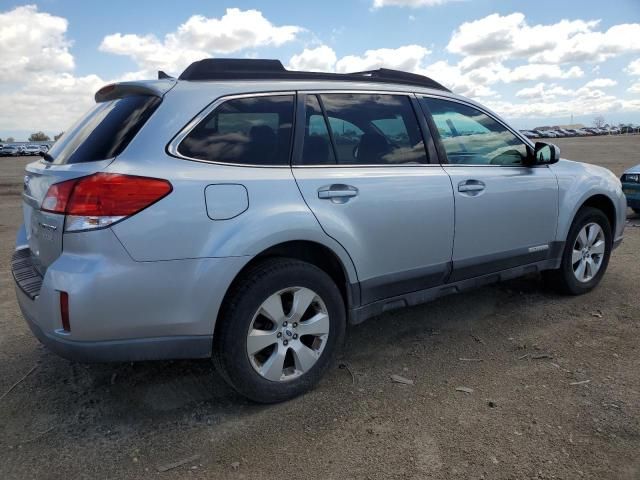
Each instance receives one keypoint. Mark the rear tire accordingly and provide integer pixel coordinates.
(279, 329)
(584, 259)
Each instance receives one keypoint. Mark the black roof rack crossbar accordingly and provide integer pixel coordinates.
(261, 69)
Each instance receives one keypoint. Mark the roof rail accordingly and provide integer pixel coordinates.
(262, 69)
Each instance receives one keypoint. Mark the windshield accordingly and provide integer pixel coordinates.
(104, 131)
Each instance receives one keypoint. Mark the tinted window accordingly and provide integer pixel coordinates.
(255, 130)
(472, 137)
(105, 131)
(373, 129)
(317, 148)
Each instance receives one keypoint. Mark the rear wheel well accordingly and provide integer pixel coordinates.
(311, 252)
(605, 205)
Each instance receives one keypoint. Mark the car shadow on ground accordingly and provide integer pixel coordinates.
(121, 398)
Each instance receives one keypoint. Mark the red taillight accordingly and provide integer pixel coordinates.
(64, 311)
(104, 195)
(55, 200)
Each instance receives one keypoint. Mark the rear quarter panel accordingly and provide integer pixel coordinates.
(178, 227)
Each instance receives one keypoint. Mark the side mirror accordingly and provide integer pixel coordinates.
(544, 154)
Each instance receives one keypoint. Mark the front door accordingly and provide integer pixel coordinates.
(363, 171)
(506, 212)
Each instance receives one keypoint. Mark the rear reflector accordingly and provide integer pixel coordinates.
(64, 311)
(102, 199)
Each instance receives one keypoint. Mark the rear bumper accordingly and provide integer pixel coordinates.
(123, 310)
(133, 350)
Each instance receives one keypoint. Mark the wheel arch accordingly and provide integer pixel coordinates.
(311, 252)
(594, 199)
(605, 205)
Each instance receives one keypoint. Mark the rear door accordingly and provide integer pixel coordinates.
(88, 147)
(506, 212)
(362, 167)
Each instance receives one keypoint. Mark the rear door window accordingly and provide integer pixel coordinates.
(366, 129)
(248, 131)
(105, 131)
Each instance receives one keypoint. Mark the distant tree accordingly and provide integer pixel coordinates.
(56, 137)
(10, 140)
(599, 121)
(39, 137)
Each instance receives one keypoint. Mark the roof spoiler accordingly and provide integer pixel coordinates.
(127, 89)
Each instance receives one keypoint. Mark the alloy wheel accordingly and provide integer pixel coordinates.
(588, 252)
(288, 334)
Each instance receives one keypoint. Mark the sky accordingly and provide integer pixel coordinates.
(533, 62)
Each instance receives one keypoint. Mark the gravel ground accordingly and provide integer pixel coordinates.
(555, 389)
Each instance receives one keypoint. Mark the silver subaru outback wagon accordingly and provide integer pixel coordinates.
(247, 213)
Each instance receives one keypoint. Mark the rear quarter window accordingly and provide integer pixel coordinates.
(105, 131)
(247, 131)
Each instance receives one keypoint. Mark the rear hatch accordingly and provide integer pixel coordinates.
(86, 148)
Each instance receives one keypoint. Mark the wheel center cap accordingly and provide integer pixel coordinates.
(288, 332)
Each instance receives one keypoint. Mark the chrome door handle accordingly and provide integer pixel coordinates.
(471, 186)
(337, 192)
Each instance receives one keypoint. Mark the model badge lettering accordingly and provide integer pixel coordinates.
(539, 248)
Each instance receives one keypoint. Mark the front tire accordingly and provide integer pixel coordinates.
(279, 329)
(586, 254)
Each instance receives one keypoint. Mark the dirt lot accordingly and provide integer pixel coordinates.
(556, 393)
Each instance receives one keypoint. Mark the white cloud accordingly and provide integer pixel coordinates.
(533, 71)
(635, 88)
(633, 68)
(577, 106)
(541, 91)
(510, 37)
(593, 46)
(601, 83)
(49, 102)
(200, 37)
(408, 3)
(320, 59)
(38, 90)
(32, 42)
(452, 77)
(407, 58)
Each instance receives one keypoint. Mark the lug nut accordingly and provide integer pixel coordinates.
(279, 334)
(285, 342)
(284, 324)
(295, 325)
(295, 336)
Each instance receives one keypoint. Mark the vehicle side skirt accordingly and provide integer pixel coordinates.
(362, 313)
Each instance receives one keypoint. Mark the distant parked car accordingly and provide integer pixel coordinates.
(631, 187)
(529, 134)
(546, 133)
(44, 148)
(30, 150)
(10, 151)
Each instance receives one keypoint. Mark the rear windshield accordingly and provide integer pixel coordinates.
(105, 131)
